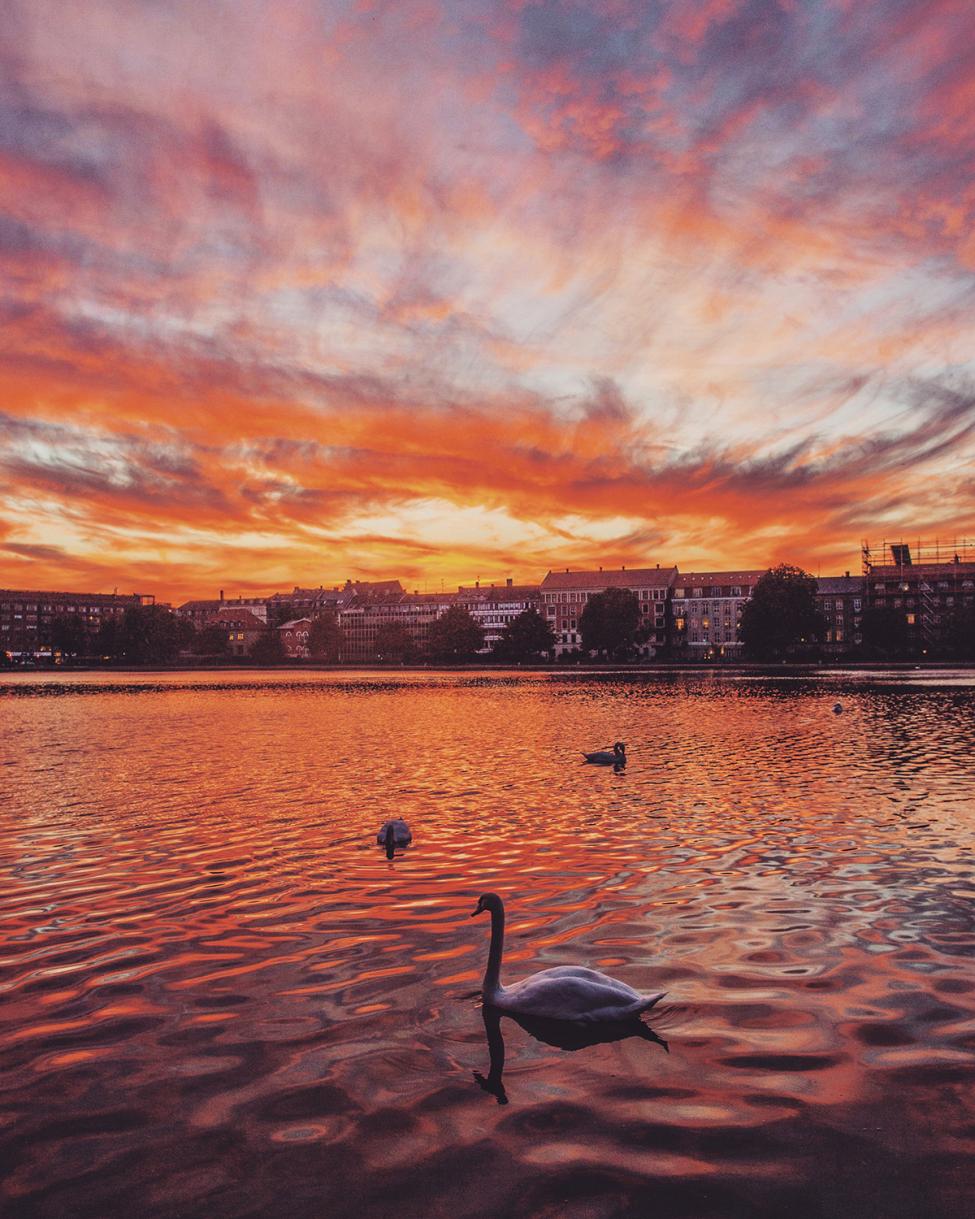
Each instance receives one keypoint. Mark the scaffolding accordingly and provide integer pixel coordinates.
(917, 553)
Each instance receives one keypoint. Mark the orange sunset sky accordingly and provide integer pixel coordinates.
(302, 291)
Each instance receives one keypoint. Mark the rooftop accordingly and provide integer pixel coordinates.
(623, 577)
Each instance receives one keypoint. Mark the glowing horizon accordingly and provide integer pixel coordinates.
(438, 292)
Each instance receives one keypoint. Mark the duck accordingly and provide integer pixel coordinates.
(566, 992)
(603, 757)
(394, 833)
(837, 708)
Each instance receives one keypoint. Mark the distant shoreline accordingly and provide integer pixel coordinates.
(741, 668)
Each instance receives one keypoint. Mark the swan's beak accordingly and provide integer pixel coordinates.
(475, 913)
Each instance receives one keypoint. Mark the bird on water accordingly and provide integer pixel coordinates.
(603, 757)
(395, 833)
(567, 992)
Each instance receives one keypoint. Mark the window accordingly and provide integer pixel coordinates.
(856, 605)
(678, 592)
(736, 591)
(910, 619)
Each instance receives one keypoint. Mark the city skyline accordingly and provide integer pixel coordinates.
(448, 291)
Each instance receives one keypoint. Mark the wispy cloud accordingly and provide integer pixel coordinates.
(287, 299)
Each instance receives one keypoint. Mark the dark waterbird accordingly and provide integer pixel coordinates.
(395, 833)
(605, 757)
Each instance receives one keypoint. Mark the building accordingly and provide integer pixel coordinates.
(926, 581)
(28, 616)
(707, 609)
(311, 602)
(294, 638)
(493, 606)
(564, 595)
(840, 599)
(363, 618)
(201, 612)
(242, 627)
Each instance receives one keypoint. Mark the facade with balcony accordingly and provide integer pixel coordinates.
(493, 607)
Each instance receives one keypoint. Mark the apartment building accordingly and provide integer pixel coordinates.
(926, 581)
(841, 600)
(27, 615)
(493, 607)
(242, 628)
(707, 608)
(362, 619)
(564, 595)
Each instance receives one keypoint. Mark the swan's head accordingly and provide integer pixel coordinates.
(619, 748)
(487, 901)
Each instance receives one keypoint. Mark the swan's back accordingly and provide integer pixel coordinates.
(570, 992)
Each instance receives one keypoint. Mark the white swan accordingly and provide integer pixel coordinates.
(394, 833)
(567, 992)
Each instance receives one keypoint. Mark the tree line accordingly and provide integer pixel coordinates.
(780, 621)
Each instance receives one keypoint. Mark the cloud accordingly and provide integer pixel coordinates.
(582, 281)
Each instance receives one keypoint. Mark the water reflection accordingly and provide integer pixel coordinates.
(216, 992)
(562, 1034)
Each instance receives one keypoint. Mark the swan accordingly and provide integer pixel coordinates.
(567, 992)
(603, 757)
(396, 833)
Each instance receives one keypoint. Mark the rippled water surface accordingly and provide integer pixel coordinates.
(218, 997)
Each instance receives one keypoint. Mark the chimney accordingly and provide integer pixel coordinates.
(477, 583)
(508, 582)
(848, 574)
(221, 596)
(658, 567)
(623, 568)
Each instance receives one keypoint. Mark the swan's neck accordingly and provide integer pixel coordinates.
(492, 975)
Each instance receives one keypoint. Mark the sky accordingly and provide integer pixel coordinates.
(303, 291)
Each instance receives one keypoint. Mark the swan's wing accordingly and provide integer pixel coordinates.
(569, 996)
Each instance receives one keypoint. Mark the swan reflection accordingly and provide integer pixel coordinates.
(563, 1034)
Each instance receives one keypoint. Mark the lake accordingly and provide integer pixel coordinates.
(218, 997)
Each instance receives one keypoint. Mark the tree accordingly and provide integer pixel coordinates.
(268, 649)
(526, 637)
(885, 632)
(211, 641)
(325, 637)
(610, 621)
(454, 636)
(151, 634)
(394, 642)
(958, 633)
(782, 616)
(68, 635)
